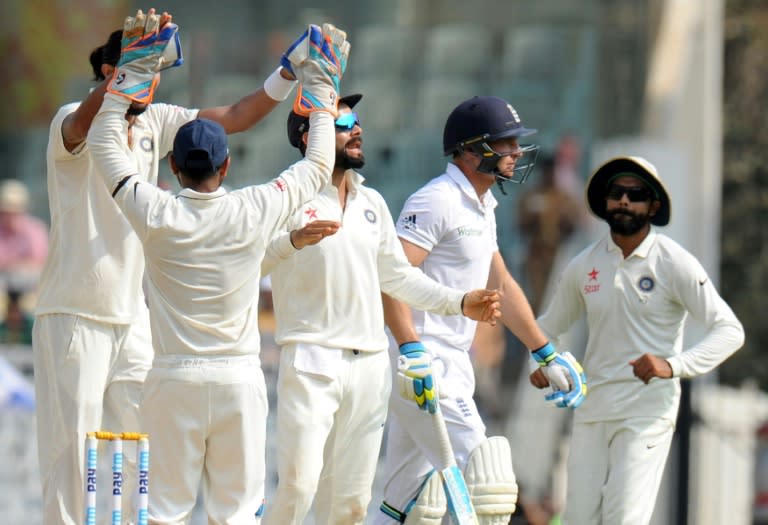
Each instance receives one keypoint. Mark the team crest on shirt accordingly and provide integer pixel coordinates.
(370, 216)
(146, 144)
(646, 283)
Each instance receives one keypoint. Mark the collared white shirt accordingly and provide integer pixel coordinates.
(638, 305)
(329, 294)
(204, 250)
(95, 263)
(446, 218)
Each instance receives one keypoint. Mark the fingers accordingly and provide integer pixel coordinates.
(538, 379)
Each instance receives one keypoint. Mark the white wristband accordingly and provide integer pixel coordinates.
(277, 87)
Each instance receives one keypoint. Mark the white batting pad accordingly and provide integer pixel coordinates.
(491, 481)
(431, 504)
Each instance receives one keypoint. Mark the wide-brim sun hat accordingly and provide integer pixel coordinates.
(633, 166)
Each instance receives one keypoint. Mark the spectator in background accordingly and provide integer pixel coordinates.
(548, 216)
(16, 324)
(23, 239)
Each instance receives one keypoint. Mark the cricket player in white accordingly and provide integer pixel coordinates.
(636, 287)
(334, 381)
(91, 341)
(448, 229)
(204, 401)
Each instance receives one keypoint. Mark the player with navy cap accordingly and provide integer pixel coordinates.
(448, 228)
(91, 338)
(204, 402)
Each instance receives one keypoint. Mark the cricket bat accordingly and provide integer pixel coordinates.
(459, 503)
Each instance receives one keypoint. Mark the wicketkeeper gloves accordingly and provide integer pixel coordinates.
(317, 60)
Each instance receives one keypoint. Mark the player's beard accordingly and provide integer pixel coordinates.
(343, 160)
(626, 223)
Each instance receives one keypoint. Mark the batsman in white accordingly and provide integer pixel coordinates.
(91, 340)
(635, 287)
(204, 400)
(334, 380)
(448, 229)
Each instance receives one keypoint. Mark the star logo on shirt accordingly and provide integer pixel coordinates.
(311, 213)
(281, 185)
(593, 274)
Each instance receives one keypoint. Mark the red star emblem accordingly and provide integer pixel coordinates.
(281, 185)
(593, 274)
(311, 213)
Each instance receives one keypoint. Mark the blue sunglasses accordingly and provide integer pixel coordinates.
(347, 122)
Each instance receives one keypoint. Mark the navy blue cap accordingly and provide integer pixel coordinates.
(200, 145)
(298, 124)
(482, 118)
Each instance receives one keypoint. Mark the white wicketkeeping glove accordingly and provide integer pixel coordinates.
(565, 374)
(317, 60)
(414, 376)
(146, 49)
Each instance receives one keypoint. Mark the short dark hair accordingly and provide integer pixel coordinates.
(109, 53)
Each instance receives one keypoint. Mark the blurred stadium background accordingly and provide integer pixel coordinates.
(682, 82)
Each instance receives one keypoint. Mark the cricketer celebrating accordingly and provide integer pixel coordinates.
(635, 287)
(334, 380)
(91, 338)
(204, 401)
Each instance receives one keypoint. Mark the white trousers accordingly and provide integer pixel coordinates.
(206, 419)
(412, 451)
(331, 411)
(615, 469)
(85, 372)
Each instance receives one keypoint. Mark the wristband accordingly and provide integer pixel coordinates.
(545, 354)
(411, 346)
(277, 87)
(462, 303)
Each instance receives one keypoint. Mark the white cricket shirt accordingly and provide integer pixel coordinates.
(95, 263)
(638, 305)
(446, 218)
(204, 250)
(329, 294)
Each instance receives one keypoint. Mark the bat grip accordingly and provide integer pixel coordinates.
(447, 459)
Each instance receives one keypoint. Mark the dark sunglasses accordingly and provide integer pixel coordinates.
(347, 122)
(633, 193)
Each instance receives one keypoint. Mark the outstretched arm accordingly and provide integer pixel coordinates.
(253, 107)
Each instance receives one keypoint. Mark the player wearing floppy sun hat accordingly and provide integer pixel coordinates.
(638, 167)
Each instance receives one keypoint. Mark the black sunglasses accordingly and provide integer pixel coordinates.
(633, 193)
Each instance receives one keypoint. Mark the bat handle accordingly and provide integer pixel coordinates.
(447, 459)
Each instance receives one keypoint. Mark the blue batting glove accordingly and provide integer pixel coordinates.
(414, 376)
(566, 377)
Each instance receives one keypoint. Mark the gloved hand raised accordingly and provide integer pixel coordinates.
(414, 376)
(565, 375)
(318, 59)
(150, 44)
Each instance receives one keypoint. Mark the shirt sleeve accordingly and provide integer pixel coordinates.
(56, 140)
(407, 283)
(278, 199)
(109, 151)
(724, 333)
(422, 218)
(566, 305)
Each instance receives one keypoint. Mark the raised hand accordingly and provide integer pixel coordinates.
(150, 44)
(415, 379)
(318, 59)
